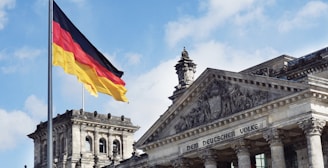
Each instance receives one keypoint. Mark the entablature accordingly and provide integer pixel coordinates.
(248, 116)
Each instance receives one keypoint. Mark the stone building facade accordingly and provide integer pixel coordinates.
(272, 115)
(84, 140)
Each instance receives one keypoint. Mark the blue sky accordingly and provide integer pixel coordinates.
(145, 40)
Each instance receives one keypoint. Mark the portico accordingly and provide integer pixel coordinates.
(243, 119)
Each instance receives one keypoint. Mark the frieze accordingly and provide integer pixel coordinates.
(222, 136)
(221, 99)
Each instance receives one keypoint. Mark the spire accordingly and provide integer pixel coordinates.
(185, 69)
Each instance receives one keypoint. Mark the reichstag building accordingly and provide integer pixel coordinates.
(271, 115)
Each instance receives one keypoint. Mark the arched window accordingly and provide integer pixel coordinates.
(88, 144)
(102, 145)
(116, 148)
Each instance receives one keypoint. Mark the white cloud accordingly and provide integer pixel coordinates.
(27, 53)
(9, 69)
(4, 5)
(214, 54)
(255, 14)
(216, 13)
(16, 61)
(148, 96)
(133, 58)
(14, 125)
(36, 107)
(305, 17)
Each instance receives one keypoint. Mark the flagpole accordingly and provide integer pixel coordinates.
(49, 130)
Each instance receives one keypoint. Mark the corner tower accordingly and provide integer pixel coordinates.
(185, 68)
(84, 139)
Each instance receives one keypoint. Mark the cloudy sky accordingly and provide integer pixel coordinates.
(144, 39)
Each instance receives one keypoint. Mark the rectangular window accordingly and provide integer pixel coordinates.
(260, 161)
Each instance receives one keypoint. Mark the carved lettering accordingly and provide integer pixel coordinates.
(250, 128)
(192, 147)
(219, 138)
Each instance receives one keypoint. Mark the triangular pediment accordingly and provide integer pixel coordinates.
(217, 94)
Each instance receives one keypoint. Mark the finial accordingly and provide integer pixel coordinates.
(184, 53)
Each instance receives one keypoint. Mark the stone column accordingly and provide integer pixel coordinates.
(312, 128)
(241, 148)
(277, 148)
(125, 148)
(181, 163)
(209, 157)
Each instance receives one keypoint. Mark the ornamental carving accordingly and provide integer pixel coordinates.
(208, 155)
(312, 126)
(273, 136)
(268, 71)
(220, 99)
(241, 146)
(181, 162)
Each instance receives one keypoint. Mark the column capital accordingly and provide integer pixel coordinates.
(273, 136)
(180, 162)
(240, 146)
(208, 155)
(312, 126)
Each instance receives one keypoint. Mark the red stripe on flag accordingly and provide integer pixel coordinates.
(64, 39)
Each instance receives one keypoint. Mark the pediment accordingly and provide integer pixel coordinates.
(217, 94)
(221, 99)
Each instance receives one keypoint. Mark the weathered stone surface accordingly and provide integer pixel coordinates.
(84, 139)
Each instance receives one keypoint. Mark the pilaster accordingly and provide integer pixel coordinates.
(110, 144)
(96, 141)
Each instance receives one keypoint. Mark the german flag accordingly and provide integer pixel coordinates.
(77, 56)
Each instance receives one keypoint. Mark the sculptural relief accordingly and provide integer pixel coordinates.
(220, 99)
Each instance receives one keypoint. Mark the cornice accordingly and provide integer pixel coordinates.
(94, 124)
(79, 117)
(257, 111)
(300, 73)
